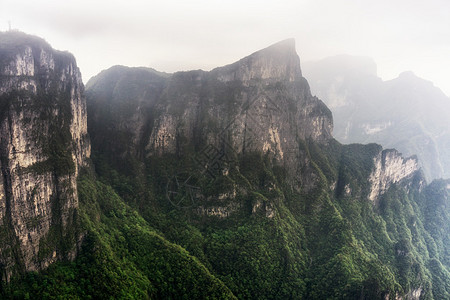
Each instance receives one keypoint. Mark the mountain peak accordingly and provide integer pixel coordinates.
(278, 62)
(286, 47)
(411, 79)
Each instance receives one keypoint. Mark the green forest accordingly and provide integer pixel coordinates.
(316, 245)
(177, 202)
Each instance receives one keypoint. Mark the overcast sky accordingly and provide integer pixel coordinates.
(171, 35)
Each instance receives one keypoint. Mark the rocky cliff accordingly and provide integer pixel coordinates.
(43, 142)
(271, 107)
(390, 168)
(258, 104)
(245, 148)
(230, 177)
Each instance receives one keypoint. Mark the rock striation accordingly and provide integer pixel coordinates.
(43, 143)
(389, 168)
(247, 143)
(261, 104)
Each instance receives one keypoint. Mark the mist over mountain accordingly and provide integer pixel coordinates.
(408, 113)
(225, 184)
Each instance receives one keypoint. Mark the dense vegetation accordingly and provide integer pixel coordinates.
(122, 257)
(161, 227)
(279, 244)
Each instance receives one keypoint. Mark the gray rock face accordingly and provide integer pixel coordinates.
(278, 62)
(43, 142)
(260, 103)
(124, 102)
(390, 167)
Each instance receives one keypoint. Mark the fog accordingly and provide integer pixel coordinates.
(180, 35)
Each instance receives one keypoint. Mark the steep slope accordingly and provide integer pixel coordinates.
(228, 184)
(127, 95)
(261, 103)
(43, 142)
(121, 257)
(407, 113)
(62, 233)
(238, 166)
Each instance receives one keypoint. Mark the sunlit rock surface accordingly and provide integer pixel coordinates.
(43, 142)
(390, 167)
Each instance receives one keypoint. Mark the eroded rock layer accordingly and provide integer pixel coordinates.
(43, 142)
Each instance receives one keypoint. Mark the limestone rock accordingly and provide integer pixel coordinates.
(390, 167)
(277, 62)
(43, 142)
(259, 104)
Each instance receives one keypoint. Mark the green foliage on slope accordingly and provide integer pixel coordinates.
(122, 257)
(278, 243)
(162, 226)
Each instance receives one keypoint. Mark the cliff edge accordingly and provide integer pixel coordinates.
(43, 142)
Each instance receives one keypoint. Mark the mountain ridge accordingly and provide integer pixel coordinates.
(407, 113)
(188, 126)
(229, 184)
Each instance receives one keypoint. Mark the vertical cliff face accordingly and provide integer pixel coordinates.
(389, 168)
(245, 149)
(124, 101)
(260, 103)
(43, 142)
(263, 97)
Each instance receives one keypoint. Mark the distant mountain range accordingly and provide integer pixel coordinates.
(408, 113)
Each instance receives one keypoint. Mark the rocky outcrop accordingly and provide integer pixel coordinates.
(259, 104)
(43, 142)
(278, 62)
(248, 144)
(414, 294)
(124, 101)
(389, 168)
(218, 211)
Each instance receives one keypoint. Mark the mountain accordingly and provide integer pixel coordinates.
(228, 184)
(407, 113)
(55, 233)
(242, 157)
(259, 104)
(43, 143)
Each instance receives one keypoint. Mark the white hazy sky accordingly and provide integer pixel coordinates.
(171, 35)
